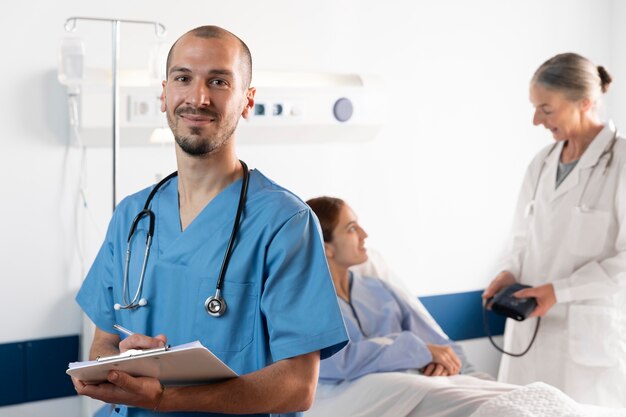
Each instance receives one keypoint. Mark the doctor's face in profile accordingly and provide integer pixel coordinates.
(556, 113)
(347, 247)
(205, 93)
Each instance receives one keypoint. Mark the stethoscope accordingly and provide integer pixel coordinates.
(215, 305)
(530, 207)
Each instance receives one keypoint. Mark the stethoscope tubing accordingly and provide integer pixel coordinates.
(233, 234)
(137, 301)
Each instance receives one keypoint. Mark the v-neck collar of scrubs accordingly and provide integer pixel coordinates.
(219, 212)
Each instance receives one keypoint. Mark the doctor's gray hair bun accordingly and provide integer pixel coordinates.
(573, 75)
(605, 78)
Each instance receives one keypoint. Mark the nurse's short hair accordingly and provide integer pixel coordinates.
(216, 32)
(327, 210)
(573, 75)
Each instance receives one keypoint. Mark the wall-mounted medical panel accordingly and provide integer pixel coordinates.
(139, 109)
(314, 107)
(289, 107)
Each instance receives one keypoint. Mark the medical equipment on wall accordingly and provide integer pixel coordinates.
(70, 72)
(530, 207)
(71, 61)
(214, 305)
(290, 107)
(504, 303)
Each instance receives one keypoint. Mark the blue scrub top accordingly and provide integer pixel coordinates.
(280, 298)
(386, 334)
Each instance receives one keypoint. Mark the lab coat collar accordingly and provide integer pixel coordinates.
(590, 158)
(597, 146)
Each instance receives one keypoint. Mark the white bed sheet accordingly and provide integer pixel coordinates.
(383, 395)
(398, 394)
(540, 399)
(404, 394)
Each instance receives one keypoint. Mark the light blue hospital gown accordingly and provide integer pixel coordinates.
(386, 334)
(280, 299)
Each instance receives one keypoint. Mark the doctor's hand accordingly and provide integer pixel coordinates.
(544, 294)
(443, 357)
(122, 388)
(140, 341)
(503, 279)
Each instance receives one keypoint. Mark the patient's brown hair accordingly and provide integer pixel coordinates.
(327, 211)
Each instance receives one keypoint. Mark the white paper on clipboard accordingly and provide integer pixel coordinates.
(186, 364)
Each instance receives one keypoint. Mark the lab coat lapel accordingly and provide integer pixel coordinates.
(589, 159)
(549, 179)
(570, 182)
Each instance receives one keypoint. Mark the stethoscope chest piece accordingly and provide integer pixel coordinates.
(215, 305)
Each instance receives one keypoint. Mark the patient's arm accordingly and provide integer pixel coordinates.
(445, 351)
(386, 335)
(396, 352)
(416, 316)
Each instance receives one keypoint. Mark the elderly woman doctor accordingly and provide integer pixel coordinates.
(569, 242)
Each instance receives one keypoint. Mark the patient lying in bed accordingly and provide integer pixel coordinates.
(399, 362)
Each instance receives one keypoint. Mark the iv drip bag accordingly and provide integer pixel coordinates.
(71, 62)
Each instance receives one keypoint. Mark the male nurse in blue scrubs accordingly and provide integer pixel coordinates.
(282, 314)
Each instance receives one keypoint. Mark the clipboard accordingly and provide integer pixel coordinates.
(186, 364)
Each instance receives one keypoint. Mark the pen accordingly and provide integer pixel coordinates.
(123, 330)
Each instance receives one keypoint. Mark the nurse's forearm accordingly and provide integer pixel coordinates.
(104, 344)
(283, 387)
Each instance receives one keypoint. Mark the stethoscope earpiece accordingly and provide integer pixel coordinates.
(141, 303)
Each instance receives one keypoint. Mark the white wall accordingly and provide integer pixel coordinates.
(435, 189)
(618, 64)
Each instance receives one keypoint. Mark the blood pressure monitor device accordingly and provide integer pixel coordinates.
(516, 308)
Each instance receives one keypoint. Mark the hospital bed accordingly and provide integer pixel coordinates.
(409, 394)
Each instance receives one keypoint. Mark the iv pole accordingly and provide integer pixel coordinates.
(159, 28)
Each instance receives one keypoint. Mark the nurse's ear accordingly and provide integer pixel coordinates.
(248, 102)
(586, 104)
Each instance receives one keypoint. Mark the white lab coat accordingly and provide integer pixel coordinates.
(580, 247)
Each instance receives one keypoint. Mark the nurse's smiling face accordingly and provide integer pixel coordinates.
(347, 247)
(205, 93)
(562, 117)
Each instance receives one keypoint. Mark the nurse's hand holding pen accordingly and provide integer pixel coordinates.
(122, 388)
(139, 341)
